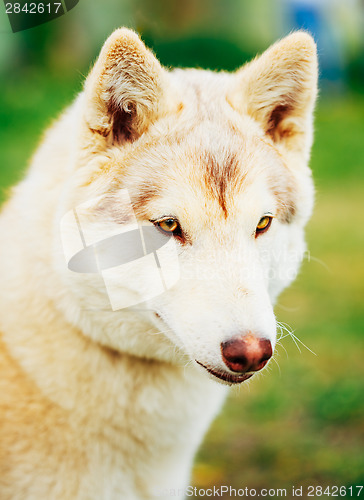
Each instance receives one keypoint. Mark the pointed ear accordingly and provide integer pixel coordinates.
(125, 90)
(278, 90)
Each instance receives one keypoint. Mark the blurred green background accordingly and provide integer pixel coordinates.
(302, 422)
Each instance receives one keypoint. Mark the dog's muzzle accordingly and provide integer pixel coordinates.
(243, 356)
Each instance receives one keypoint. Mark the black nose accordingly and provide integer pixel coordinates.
(246, 353)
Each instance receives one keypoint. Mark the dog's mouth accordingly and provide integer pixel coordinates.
(227, 377)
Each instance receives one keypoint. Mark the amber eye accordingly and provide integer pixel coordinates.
(169, 225)
(263, 224)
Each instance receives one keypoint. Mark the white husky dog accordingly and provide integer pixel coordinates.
(109, 379)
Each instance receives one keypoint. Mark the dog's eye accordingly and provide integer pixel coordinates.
(263, 225)
(169, 226)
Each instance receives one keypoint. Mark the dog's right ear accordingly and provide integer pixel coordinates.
(279, 88)
(125, 90)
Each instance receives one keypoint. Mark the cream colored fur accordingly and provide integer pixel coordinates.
(98, 404)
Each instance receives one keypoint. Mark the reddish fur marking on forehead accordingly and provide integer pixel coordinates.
(219, 176)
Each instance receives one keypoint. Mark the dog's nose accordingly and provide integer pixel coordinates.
(246, 353)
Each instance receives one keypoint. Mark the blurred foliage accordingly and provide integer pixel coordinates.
(302, 423)
(207, 53)
(218, 34)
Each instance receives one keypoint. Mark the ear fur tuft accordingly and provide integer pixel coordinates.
(279, 88)
(123, 90)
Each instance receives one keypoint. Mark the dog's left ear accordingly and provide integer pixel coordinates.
(126, 89)
(279, 88)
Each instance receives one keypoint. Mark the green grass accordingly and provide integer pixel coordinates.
(301, 423)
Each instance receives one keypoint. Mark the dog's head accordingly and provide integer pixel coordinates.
(215, 163)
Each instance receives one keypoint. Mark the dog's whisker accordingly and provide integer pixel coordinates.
(159, 332)
(304, 345)
(283, 328)
(286, 328)
(189, 363)
(283, 337)
(279, 368)
(281, 345)
(294, 340)
(276, 362)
